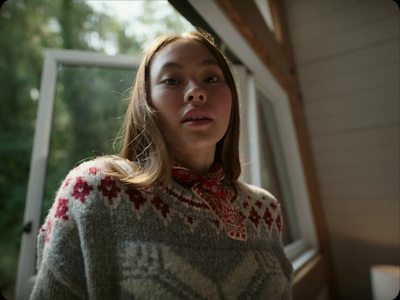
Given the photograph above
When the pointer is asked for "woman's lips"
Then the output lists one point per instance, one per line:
(197, 122)
(196, 118)
(196, 115)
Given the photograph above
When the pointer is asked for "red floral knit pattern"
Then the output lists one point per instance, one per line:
(215, 196)
(161, 208)
(108, 188)
(81, 189)
(62, 209)
(262, 212)
(136, 198)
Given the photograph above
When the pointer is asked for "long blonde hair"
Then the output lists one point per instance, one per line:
(144, 147)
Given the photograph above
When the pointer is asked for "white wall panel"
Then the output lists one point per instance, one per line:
(362, 139)
(357, 156)
(365, 118)
(347, 55)
(349, 16)
(385, 95)
(305, 11)
(368, 58)
(352, 40)
(352, 83)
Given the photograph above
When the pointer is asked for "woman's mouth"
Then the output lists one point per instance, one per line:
(196, 118)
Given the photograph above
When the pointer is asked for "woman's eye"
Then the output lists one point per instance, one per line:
(170, 81)
(211, 79)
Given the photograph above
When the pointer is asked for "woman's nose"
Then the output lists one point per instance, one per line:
(195, 93)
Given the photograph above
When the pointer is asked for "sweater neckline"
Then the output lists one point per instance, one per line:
(182, 199)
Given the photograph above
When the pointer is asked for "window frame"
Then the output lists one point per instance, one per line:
(41, 145)
(259, 77)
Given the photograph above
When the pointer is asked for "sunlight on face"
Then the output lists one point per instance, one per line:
(193, 101)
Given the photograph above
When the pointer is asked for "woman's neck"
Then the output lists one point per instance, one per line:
(199, 161)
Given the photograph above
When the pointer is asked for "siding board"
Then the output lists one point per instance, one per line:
(359, 174)
(301, 12)
(349, 41)
(347, 59)
(352, 83)
(353, 62)
(365, 118)
(386, 95)
(359, 156)
(364, 204)
(380, 226)
(386, 189)
(349, 17)
(361, 140)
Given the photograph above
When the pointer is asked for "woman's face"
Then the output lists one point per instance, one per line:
(192, 99)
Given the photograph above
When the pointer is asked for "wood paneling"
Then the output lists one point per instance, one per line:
(352, 40)
(305, 11)
(349, 17)
(361, 139)
(381, 154)
(365, 118)
(353, 102)
(348, 65)
(366, 59)
(352, 83)
(338, 192)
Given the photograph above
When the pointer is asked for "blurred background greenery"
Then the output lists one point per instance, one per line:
(89, 102)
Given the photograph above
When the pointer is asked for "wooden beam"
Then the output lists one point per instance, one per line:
(311, 278)
(249, 21)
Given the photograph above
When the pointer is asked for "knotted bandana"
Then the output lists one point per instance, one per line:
(216, 195)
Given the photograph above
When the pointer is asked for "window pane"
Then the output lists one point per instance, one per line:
(273, 168)
(88, 110)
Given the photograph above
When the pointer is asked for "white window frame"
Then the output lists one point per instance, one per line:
(259, 77)
(37, 175)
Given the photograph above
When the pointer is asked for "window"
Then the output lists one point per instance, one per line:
(89, 105)
(274, 176)
(269, 146)
(92, 72)
(264, 8)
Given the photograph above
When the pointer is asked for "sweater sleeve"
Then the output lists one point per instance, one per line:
(60, 262)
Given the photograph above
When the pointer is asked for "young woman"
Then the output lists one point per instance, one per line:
(167, 219)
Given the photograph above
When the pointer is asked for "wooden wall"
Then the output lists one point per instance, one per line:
(347, 58)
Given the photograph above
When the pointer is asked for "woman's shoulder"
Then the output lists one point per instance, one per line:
(255, 192)
(92, 180)
(258, 198)
(100, 166)
(259, 205)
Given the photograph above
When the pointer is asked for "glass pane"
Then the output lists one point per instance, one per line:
(88, 111)
(274, 172)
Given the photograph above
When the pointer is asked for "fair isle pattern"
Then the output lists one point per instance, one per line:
(172, 277)
(157, 243)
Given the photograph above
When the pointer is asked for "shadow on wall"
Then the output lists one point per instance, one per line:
(353, 258)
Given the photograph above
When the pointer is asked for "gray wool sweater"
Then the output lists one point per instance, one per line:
(105, 240)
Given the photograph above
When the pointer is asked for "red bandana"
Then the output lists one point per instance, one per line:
(216, 195)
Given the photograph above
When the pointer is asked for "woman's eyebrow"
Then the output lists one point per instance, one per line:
(171, 64)
(209, 62)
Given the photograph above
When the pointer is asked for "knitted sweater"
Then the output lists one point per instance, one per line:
(105, 240)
